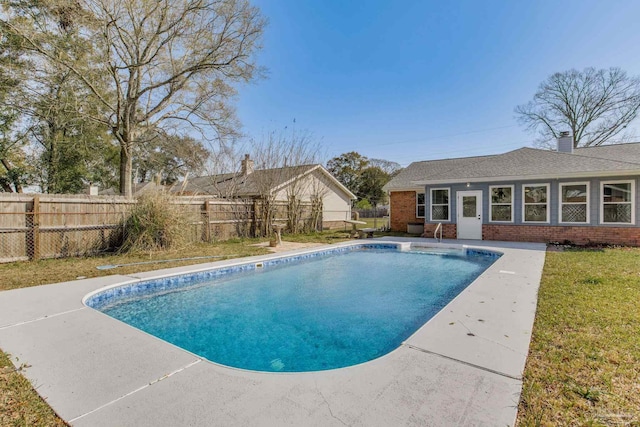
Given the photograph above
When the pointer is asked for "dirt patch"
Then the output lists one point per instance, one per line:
(288, 246)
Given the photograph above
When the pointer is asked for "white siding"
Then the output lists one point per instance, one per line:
(336, 204)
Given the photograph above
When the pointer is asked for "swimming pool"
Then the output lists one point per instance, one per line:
(322, 310)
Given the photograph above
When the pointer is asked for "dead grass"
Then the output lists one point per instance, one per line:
(583, 365)
(25, 274)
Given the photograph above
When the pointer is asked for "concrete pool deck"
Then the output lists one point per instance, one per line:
(463, 367)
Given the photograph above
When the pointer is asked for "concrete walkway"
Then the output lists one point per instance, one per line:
(463, 367)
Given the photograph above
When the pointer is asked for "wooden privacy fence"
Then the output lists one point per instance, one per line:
(33, 227)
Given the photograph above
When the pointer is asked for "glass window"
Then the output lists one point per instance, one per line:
(501, 203)
(535, 203)
(617, 202)
(574, 203)
(469, 206)
(440, 204)
(420, 205)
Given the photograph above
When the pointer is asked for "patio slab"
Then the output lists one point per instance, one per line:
(493, 317)
(37, 302)
(84, 359)
(409, 388)
(96, 371)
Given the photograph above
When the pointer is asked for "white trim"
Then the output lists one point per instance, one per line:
(400, 190)
(559, 175)
(560, 203)
(309, 171)
(431, 190)
(423, 204)
(548, 204)
(513, 202)
(633, 201)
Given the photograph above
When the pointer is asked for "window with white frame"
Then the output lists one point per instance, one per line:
(501, 199)
(535, 203)
(574, 202)
(420, 205)
(617, 202)
(439, 204)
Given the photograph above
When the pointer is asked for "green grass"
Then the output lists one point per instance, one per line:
(584, 361)
(379, 223)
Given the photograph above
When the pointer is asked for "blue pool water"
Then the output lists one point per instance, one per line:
(322, 313)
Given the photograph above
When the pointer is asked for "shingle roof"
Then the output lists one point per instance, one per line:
(625, 152)
(254, 184)
(426, 169)
(138, 188)
(523, 163)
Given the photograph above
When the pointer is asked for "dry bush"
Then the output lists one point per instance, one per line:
(155, 223)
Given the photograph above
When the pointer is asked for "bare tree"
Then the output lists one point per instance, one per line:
(285, 158)
(223, 180)
(223, 175)
(387, 166)
(170, 62)
(595, 105)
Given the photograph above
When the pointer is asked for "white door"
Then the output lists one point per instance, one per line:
(469, 215)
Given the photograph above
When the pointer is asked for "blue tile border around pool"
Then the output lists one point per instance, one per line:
(104, 297)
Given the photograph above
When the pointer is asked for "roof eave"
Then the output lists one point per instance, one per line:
(309, 171)
(602, 174)
(414, 188)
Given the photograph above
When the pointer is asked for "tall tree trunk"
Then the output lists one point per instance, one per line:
(52, 163)
(126, 170)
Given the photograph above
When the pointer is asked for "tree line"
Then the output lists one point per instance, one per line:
(115, 92)
(364, 177)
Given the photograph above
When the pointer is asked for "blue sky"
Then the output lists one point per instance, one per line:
(419, 80)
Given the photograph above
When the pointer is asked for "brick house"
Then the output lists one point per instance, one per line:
(583, 195)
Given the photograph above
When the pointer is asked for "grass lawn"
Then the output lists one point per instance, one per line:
(374, 222)
(584, 361)
(583, 366)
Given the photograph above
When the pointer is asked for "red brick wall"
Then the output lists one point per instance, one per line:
(403, 210)
(449, 231)
(578, 235)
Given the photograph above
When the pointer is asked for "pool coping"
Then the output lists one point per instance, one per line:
(463, 366)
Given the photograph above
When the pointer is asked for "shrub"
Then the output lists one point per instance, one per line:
(155, 223)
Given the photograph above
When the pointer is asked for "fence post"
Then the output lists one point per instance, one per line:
(207, 219)
(254, 219)
(33, 234)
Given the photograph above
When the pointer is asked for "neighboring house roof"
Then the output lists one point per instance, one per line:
(255, 183)
(525, 163)
(138, 188)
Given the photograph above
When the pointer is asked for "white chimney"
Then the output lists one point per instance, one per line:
(565, 142)
(92, 189)
(246, 165)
